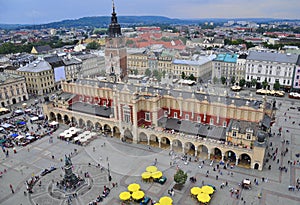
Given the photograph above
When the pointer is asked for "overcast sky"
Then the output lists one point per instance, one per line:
(44, 11)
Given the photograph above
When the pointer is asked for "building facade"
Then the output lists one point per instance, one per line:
(12, 89)
(224, 66)
(271, 67)
(180, 120)
(39, 77)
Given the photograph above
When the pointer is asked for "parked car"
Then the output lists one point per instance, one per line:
(162, 180)
(145, 200)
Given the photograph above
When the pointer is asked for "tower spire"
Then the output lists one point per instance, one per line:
(114, 29)
(113, 6)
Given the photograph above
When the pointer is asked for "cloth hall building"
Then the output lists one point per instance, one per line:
(192, 122)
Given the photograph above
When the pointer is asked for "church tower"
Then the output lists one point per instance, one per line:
(115, 51)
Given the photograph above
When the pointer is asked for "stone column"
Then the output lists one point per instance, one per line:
(208, 155)
(148, 140)
(159, 143)
(222, 157)
(237, 160)
(171, 145)
(183, 149)
(196, 151)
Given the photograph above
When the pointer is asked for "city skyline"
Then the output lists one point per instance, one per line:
(33, 12)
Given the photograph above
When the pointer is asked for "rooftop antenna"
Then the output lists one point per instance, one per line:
(113, 5)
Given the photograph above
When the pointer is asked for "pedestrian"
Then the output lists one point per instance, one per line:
(11, 188)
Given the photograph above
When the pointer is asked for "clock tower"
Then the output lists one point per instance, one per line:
(115, 51)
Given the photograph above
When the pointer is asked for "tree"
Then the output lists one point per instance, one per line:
(164, 73)
(242, 82)
(192, 77)
(183, 75)
(253, 82)
(265, 84)
(276, 85)
(148, 72)
(215, 80)
(135, 71)
(93, 45)
(157, 74)
(180, 177)
(232, 80)
(223, 80)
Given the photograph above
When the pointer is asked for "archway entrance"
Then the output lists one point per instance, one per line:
(256, 166)
(14, 101)
(216, 154)
(202, 152)
(245, 161)
(128, 135)
(107, 130)
(98, 127)
(165, 143)
(66, 119)
(81, 123)
(117, 132)
(52, 116)
(73, 121)
(230, 156)
(59, 118)
(143, 138)
(89, 125)
(177, 146)
(154, 141)
(189, 148)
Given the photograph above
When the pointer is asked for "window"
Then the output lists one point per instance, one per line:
(234, 133)
(175, 114)
(199, 119)
(211, 121)
(224, 124)
(187, 117)
(297, 77)
(147, 117)
(166, 113)
(296, 84)
(104, 103)
(126, 114)
(248, 136)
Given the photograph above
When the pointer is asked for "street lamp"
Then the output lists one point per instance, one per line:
(109, 176)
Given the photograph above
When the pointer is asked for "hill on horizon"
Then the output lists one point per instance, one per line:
(103, 21)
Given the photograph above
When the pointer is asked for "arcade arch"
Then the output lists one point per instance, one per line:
(66, 119)
(59, 118)
(154, 141)
(143, 138)
(107, 129)
(245, 160)
(189, 148)
(202, 151)
(165, 143)
(98, 126)
(216, 153)
(81, 123)
(52, 116)
(116, 132)
(177, 145)
(230, 156)
(89, 125)
(128, 135)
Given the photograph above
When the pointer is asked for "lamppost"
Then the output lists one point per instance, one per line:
(109, 176)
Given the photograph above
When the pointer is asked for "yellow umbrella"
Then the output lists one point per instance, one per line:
(125, 195)
(157, 174)
(196, 190)
(165, 200)
(137, 195)
(157, 204)
(151, 169)
(207, 189)
(146, 175)
(133, 187)
(204, 198)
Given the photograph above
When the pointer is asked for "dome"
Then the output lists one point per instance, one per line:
(261, 136)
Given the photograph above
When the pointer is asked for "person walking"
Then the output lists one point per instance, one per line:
(11, 188)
